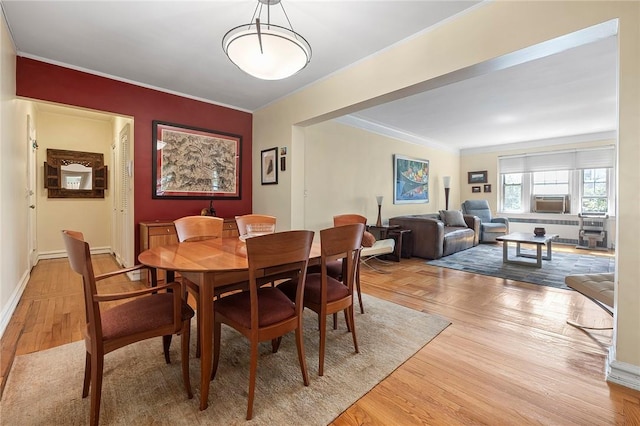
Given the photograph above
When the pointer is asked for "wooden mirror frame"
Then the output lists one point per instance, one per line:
(56, 158)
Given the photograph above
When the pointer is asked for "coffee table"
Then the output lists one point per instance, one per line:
(526, 238)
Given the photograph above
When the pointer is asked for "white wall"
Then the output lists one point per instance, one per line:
(14, 260)
(486, 32)
(346, 168)
(91, 216)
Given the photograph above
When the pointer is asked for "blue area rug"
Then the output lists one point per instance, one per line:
(486, 259)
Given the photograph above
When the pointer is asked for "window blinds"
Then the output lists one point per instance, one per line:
(561, 160)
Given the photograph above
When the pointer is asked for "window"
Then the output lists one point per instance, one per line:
(551, 183)
(586, 175)
(512, 192)
(595, 194)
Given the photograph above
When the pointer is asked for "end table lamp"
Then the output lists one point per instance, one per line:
(447, 185)
(379, 200)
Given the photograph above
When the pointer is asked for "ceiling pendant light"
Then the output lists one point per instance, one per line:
(265, 50)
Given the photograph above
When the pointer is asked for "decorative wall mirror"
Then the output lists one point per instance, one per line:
(75, 174)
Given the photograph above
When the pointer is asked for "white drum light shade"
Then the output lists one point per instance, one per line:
(284, 52)
(447, 181)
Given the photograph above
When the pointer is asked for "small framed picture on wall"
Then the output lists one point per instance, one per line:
(487, 188)
(475, 189)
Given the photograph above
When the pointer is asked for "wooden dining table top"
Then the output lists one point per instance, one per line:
(212, 255)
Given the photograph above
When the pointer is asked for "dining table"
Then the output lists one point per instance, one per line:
(208, 264)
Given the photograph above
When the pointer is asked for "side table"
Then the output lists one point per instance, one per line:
(382, 232)
(404, 244)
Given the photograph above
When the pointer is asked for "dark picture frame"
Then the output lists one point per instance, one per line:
(487, 188)
(269, 166)
(410, 180)
(87, 171)
(475, 189)
(192, 163)
(477, 177)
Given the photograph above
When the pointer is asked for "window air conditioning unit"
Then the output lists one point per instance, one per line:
(551, 204)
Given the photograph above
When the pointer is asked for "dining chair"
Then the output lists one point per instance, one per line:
(143, 314)
(195, 228)
(244, 221)
(326, 295)
(265, 313)
(335, 268)
(198, 228)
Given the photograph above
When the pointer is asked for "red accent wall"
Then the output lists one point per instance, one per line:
(47, 82)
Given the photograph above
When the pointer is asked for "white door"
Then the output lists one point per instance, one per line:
(32, 145)
(122, 236)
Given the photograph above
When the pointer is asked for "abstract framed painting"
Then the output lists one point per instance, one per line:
(194, 163)
(410, 180)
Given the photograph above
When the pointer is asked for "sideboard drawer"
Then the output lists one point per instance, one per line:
(162, 230)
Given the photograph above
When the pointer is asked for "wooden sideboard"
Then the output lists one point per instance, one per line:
(159, 233)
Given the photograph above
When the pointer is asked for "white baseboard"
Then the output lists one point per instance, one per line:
(622, 373)
(10, 307)
(56, 254)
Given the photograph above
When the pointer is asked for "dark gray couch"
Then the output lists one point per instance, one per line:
(432, 240)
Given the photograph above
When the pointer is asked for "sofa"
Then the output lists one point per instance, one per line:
(432, 238)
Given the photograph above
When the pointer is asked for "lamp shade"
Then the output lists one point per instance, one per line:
(272, 53)
(379, 199)
(447, 181)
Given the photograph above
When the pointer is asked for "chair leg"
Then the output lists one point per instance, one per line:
(198, 324)
(358, 290)
(352, 324)
(335, 320)
(301, 358)
(87, 375)
(217, 331)
(253, 366)
(185, 340)
(323, 339)
(97, 364)
(166, 344)
(275, 344)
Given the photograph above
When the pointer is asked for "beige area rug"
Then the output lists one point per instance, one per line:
(44, 388)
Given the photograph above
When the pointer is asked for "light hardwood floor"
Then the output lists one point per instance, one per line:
(508, 358)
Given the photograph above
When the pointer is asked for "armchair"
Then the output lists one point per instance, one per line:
(490, 227)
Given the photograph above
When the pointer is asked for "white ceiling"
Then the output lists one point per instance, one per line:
(175, 46)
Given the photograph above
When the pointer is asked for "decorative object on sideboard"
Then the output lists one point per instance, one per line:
(379, 200)
(539, 232)
(265, 50)
(208, 211)
(446, 180)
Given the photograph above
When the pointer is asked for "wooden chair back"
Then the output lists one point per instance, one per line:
(274, 256)
(347, 219)
(243, 221)
(195, 228)
(79, 255)
(342, 243)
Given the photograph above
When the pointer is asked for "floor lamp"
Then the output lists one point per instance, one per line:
(447, 185)
(379, 200)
